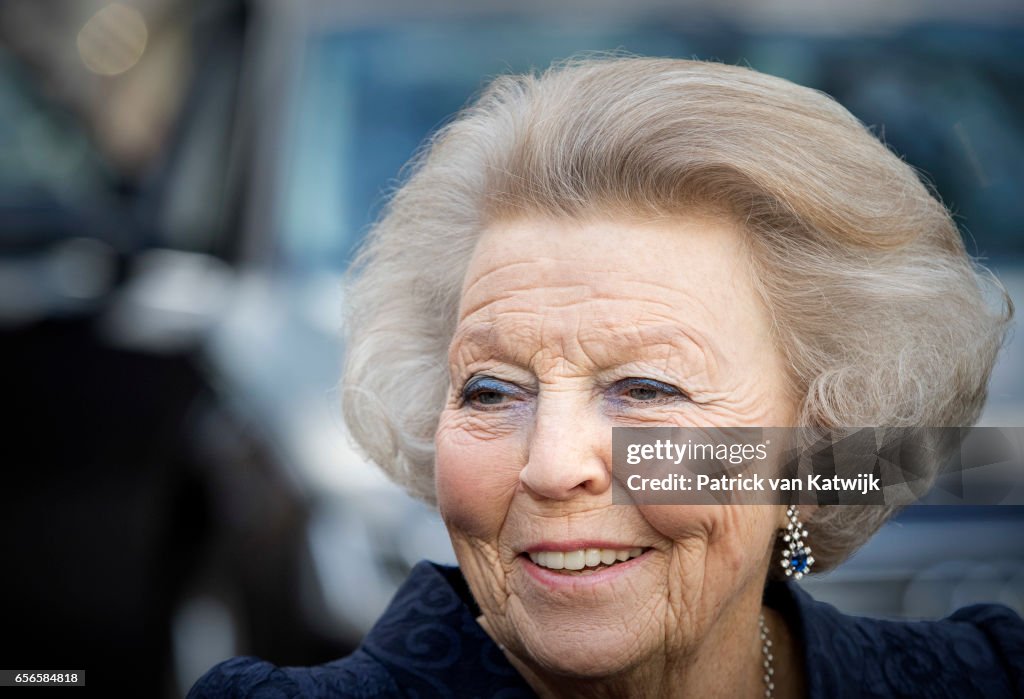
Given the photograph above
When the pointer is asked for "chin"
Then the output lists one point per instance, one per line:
(583, 652)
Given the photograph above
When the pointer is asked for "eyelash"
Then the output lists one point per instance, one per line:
(487, 384)
(671, 393)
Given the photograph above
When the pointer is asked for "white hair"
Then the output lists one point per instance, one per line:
(882, 316)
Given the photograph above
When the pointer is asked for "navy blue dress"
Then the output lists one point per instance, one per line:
(428, 644)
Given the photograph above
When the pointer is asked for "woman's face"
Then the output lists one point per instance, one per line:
(566, 330)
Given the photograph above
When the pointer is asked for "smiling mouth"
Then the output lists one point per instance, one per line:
(583, 561)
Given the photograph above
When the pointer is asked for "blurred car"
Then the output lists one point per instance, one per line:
(183, 486)
(135, 493)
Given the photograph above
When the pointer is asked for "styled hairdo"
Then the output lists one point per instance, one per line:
(882, 316)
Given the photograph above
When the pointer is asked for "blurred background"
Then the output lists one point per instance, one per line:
(181, 185)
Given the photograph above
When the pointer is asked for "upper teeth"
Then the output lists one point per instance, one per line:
(581, 558)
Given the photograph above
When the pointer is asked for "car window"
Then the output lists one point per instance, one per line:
(46, 160)
(945, 98)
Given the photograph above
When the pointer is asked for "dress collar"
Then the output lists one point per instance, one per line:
(430, 642)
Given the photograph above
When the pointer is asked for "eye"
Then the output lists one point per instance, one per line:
(487, 392)
(647, 391)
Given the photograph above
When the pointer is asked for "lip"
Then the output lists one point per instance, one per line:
(577, 544)
(560, 582)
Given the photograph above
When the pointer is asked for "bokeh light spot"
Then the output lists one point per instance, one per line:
(113, 40)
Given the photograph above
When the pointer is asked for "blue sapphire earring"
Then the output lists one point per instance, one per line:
(796, 555)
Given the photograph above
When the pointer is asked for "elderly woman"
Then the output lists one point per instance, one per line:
(641, 242)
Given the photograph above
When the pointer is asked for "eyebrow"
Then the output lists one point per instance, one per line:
(481, 335)
(485, 336)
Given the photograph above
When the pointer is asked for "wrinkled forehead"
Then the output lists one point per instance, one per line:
(571, 259)
(529, 340)
(606, 285)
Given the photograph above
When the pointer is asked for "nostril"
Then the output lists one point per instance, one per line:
(565, 480)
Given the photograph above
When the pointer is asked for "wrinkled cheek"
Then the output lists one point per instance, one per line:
(475, 481)
(681, 522)
(728, 538)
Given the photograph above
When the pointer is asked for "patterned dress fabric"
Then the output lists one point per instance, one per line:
(428, 644)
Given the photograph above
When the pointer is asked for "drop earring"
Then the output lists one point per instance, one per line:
(796, 555)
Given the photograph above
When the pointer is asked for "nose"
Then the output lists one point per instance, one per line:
(569, 453)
